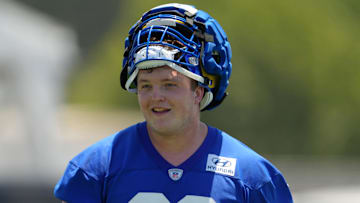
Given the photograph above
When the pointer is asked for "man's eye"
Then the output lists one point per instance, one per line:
(170, 85)
(144, 86)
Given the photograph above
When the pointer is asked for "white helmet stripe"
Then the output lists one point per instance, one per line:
(190, 9)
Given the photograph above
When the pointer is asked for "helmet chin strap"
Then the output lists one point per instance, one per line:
(208, 97)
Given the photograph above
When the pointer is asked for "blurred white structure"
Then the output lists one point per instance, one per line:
(36, 54)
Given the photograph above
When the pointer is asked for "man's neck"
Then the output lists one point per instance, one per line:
(177, 147)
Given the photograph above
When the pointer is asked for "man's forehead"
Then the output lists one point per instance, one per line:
(163, 72)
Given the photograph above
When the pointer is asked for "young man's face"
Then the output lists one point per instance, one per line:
(167, 99)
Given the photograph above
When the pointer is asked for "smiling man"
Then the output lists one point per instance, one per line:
(170, 104)
(177, 61)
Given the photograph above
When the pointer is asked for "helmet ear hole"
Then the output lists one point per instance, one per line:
(216, 56)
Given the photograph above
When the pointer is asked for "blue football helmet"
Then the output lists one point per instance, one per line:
(185, 39)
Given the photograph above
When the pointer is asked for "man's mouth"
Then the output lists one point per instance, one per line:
(160, 110)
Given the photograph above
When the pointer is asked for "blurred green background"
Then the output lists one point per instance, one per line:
(295, 85)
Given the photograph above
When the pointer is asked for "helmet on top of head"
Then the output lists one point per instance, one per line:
(185, 39)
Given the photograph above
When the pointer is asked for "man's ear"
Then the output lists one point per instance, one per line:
(199, 94)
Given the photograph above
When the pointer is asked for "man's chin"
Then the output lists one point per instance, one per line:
(162, 127)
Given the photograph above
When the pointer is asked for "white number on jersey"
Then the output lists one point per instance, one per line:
(153, 197)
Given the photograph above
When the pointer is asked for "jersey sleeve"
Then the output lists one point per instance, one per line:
(76, 185)
(274, 191)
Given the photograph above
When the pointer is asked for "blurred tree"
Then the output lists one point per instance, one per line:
(90, 18)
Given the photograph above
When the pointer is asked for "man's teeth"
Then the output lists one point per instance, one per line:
(159, 109)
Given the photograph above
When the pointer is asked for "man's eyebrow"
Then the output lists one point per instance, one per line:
(163, 80)
(170, 80)
(142, 80)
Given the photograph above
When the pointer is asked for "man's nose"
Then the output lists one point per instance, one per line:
(157, 93)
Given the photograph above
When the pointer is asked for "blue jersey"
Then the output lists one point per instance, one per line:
(126, 167)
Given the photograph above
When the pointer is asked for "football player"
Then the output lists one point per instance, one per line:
(178, 61)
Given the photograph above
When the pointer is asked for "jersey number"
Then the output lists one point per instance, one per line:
(152, 197)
